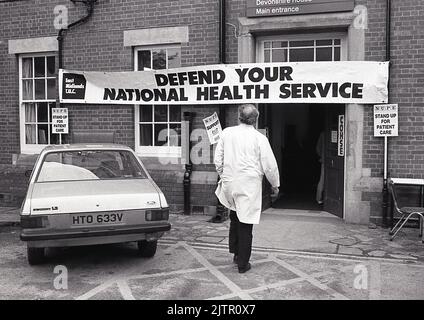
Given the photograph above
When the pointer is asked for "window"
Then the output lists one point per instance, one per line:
(158, 58)
(37, 76)
(158, 127)
(301, 48)
(89, 165)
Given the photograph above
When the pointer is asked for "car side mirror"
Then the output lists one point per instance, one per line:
(28, 173)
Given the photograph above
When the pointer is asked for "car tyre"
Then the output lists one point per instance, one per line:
(147, 249)
(35, 255)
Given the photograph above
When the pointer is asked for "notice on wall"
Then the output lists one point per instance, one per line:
(341, 136)
(213, 128)
(359, 82)
(334, 136)
(60, 120)
(386, 120)
(265, 8)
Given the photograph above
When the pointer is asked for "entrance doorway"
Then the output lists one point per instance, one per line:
(294, 132)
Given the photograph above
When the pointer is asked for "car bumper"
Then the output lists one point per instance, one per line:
(63, 238)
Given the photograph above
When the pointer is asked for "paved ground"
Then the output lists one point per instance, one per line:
(297, 255)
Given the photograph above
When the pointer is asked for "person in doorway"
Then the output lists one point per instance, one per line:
(242, 157)
(320, 152)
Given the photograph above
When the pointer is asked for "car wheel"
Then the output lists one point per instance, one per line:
(147, 249)
(35, 255)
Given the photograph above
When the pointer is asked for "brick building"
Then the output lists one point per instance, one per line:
(134, 35)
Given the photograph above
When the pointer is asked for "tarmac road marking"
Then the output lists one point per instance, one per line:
(261, 288)
(164, 274)
(218, 274)
(125, 290)
(278, 284)
(96, 290)
(327, 256)
(375, 281)
(91, 293)
(271, 255)
(309, 278)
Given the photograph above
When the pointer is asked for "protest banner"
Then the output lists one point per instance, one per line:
(363, 82)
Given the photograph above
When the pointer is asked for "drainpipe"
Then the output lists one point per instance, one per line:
(61, 35)
(222, 50)
(188, 117)
(385, 191)
(221, 211)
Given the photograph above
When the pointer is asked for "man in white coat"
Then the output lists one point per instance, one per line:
(242, 157)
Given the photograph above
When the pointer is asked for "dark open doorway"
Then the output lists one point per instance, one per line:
(294, 131)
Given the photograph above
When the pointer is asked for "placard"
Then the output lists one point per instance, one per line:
(213, 128)
(60, 120)
(386, 120)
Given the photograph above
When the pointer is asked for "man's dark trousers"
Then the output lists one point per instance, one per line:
(240, 242)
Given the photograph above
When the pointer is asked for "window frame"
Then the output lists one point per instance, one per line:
(260, 52)
(32, 148)
(153, 151)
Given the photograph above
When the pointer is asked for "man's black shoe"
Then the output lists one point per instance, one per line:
(235, 259)
(246, 268)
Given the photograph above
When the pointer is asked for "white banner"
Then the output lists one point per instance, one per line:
(362, 82)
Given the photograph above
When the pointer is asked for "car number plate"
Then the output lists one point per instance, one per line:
(99, 218)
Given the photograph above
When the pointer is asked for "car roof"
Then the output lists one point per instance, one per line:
(86, 146)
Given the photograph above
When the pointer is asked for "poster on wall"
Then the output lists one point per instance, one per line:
(386, 120)
(213, 128)
(361, 82)
(60, 120)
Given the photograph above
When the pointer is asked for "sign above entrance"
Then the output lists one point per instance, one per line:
(360, 82)
(386, 120)
(265, 8)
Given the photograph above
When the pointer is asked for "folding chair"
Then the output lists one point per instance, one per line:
(405, 211)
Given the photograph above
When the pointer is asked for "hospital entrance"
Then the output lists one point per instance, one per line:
(294, 133)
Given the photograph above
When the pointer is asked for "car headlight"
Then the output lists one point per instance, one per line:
(156, 215)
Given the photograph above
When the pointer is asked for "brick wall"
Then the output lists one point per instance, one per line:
(98, 45)
(406, 152)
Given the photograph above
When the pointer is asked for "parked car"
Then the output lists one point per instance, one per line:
(91, 194)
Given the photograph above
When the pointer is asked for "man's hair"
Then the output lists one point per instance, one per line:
(248, 114)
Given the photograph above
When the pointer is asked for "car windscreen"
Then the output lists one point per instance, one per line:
(89, 165)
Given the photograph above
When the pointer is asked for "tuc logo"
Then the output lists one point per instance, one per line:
(73, 86)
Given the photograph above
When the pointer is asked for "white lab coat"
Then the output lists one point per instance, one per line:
(242, 157)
